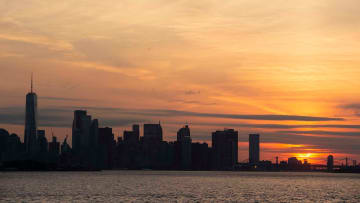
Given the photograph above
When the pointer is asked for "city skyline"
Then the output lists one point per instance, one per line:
(83, 134)
(288, 71)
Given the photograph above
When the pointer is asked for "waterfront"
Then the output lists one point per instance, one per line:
(178, 186)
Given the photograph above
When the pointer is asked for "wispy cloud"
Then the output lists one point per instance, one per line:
(269, 126)
(174, 113)
(355, 134)
(353, 106)
(63, 99)
(62, 116)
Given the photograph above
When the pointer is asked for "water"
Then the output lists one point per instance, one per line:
(172, 186)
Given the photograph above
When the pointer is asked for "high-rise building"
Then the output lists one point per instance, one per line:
(200, 156)
(225, 149)
(54, 146)
(132, 136)
(14, 144)
(80, 130)
(85, 134)
(94, 135)
(183, 134)
(254, 148)
(184, 139)
(4, 136)
(107, 146)
(42, 141)
(10, 145)
(136, 130)
(294, 163)
(31, 121)
(65, 147)
(330, 162)
(153, 132)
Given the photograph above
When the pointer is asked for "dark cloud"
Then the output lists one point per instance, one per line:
(240, 116)
(334, 144)
(319, 144)
(353, 106)
(174, 113)
(62, 116)
(192, 92)
(268, 126)
(120, 121)
(321, 132)
(64, 99)
(192, 102)
(59, 117)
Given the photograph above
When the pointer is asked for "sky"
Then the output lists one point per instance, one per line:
(288, 70)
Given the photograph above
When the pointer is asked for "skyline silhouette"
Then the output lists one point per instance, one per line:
(31, 122)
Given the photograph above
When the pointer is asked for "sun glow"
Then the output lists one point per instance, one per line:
(313, 158)
(305, 156)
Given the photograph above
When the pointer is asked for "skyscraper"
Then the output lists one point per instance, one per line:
(184, 139)
(293, 163)
(85, 134)
(153, 132)
(31, 122)
(65, 147)
(42, 142)
(254, 148)
(330, 162)
(136, 130)
(80, 130)
(107, 146)
(225, 149)
(132, 136)
(54, 146)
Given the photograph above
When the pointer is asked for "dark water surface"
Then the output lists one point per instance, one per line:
(183, 186)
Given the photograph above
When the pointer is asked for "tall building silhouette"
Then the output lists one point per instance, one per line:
(293, 163)
(254, 148)
(4, 136)
(43, 145)
(200, 156)
(107, 146)
(54, 146)
(330, 162)
(153, 132)
(80, 130)
(85, 134)
(65, 147)
(184, 139)
(31, 121)
(225, 149)
(132, 136)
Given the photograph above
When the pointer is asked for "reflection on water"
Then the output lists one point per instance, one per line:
(183, 186)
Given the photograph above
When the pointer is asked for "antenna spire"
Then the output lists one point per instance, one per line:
(31, 82)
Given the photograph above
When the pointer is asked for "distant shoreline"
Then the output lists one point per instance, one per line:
(235, 171)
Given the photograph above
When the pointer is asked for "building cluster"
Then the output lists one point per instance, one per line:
(95, 148)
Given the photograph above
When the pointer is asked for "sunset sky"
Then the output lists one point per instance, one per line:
(289, 70)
